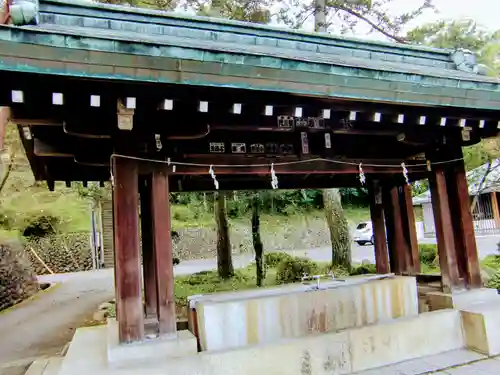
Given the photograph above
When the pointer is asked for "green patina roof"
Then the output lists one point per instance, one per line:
(145, 45)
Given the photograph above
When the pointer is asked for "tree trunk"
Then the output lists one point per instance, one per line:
(339, 229)
(257, 242)
(320, 16)
(224, 258)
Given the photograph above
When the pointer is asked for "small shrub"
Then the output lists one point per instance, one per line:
(364, 269)
(273, 259)
(428, 254)
(494, 281)
(212, 278)
(292, 270)
(491, 262)
(40, 226)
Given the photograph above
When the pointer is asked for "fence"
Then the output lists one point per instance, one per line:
(483, 215)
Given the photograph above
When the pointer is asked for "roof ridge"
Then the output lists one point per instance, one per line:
(244, 27)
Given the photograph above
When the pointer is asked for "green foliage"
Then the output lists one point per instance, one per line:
(40, 226)
(364, 269)
(491, 262)
(256, 11)
(349, 14)
(292, 270)
(494, 281)
(209, 282)
(428, 254)
(465, 34)
(273, 259)
(93, 191)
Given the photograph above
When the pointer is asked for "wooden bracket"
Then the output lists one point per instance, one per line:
(125, 116)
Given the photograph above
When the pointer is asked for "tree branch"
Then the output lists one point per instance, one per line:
(483, 180)
(371, 23)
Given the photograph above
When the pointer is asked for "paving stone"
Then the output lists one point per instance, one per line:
(490, 366)
(440, 365)
(471, 369)
(416, 366)
(388, 370)
(453, 358)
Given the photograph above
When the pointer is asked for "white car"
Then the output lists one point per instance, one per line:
(364, 233)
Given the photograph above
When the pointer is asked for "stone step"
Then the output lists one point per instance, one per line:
(45, 366)
(438, 363)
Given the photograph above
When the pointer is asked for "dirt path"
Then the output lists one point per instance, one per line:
(44, 326)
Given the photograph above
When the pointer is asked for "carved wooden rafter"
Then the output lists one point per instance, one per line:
(190, 137)
(84, 135)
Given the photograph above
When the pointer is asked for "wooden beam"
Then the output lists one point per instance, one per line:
(409, 230)
(36, 122)
(41, 148)
(444, 231)
(127, 252)
(283, 165)
(377, 217)
(163, 253)
(463, 227)
(148, 256)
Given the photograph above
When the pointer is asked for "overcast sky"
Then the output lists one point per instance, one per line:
(485, 12)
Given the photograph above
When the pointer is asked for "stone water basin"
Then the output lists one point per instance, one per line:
(237, 319)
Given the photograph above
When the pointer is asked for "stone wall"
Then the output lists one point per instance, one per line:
(196, 243)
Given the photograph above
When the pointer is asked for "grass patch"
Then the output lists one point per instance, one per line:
(209, 282)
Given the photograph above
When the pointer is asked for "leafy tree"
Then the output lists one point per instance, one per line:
(256, 11)
(467, 34)
(348, 15)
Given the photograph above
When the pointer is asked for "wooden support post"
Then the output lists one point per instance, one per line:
(409, 230)
(377, 216)
(163, 253)
(444, 231)
(495, 209)
(127, 251)
(463, 227)
(397, 245)
(389, 226)
(148, 258)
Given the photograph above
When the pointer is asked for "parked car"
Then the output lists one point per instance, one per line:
(364, 233)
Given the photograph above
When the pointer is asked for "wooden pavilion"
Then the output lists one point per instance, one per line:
(159, 102)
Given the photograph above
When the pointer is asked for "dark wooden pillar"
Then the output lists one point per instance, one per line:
(463, 227)
(163, 253)
(409, 230)
(397, 246)
(127, 251)
(444, 230)
(148, 259)
(377, 216)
